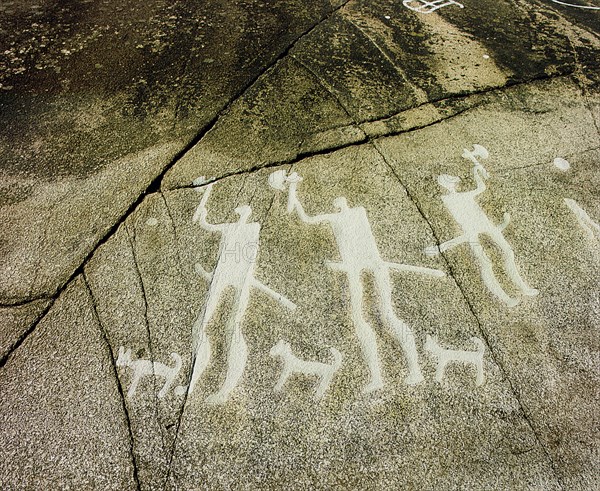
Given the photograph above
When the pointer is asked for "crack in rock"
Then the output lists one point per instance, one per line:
(115, 371)
(484, 333)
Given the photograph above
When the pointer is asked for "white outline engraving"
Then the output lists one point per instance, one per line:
(238, 251)
(148, 368)
(445, 356)
(474, 222)
(358, 250)
(589, 225)
(292, 364)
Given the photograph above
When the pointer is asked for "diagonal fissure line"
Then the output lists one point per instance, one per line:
(419, 93)
(115, 372)
(155, 184)
(19, 341)
(373, 143)
(265, 165)
(132, 239)
(173, 449)
(465, 94)
(496, 357)
(329, 90)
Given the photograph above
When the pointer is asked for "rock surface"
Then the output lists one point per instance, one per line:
(187, 302)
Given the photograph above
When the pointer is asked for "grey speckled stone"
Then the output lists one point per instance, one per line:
(110, 114)
(16, 321)
(92, 95)
(62, 419)
(548, 344)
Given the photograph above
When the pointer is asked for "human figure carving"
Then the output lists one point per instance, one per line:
(292, 364)
(148, 368)
(358, 250)
(445, 356)
(474, 222)
(238, 251)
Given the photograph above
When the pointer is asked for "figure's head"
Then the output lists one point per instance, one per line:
(340, 203)
(448, 182)
(244, 212)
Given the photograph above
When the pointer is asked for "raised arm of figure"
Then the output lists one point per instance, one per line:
(294, 204)
(478, 175)
(201, 213)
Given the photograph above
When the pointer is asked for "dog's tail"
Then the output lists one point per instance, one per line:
(177, 360)
(479, 343)
(337, 358)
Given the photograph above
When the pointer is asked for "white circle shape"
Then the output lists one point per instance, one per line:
(561, 164)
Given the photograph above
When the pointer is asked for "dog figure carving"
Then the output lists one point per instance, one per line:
(142, 368)
(445, 356)
(292, 364)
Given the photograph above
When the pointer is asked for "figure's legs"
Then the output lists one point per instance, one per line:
(201, 345)
(440, 369)
(364, 333)
(238, 349)
(509, 264)
(487, 275)
(583, 218)
(480, 376)
(398, 327)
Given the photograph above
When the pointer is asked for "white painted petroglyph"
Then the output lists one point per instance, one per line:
(474, 222)
(429, 6)
(445, 356)
(589, 225)
(238, 252)
(590, 7)
(148, 368)
(292, 364)
(152, 222)
(561, 164)
(358, 250)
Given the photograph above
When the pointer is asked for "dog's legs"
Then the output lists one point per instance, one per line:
(137, 375)
(170, 374)
(439, 371)
(285, 373)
